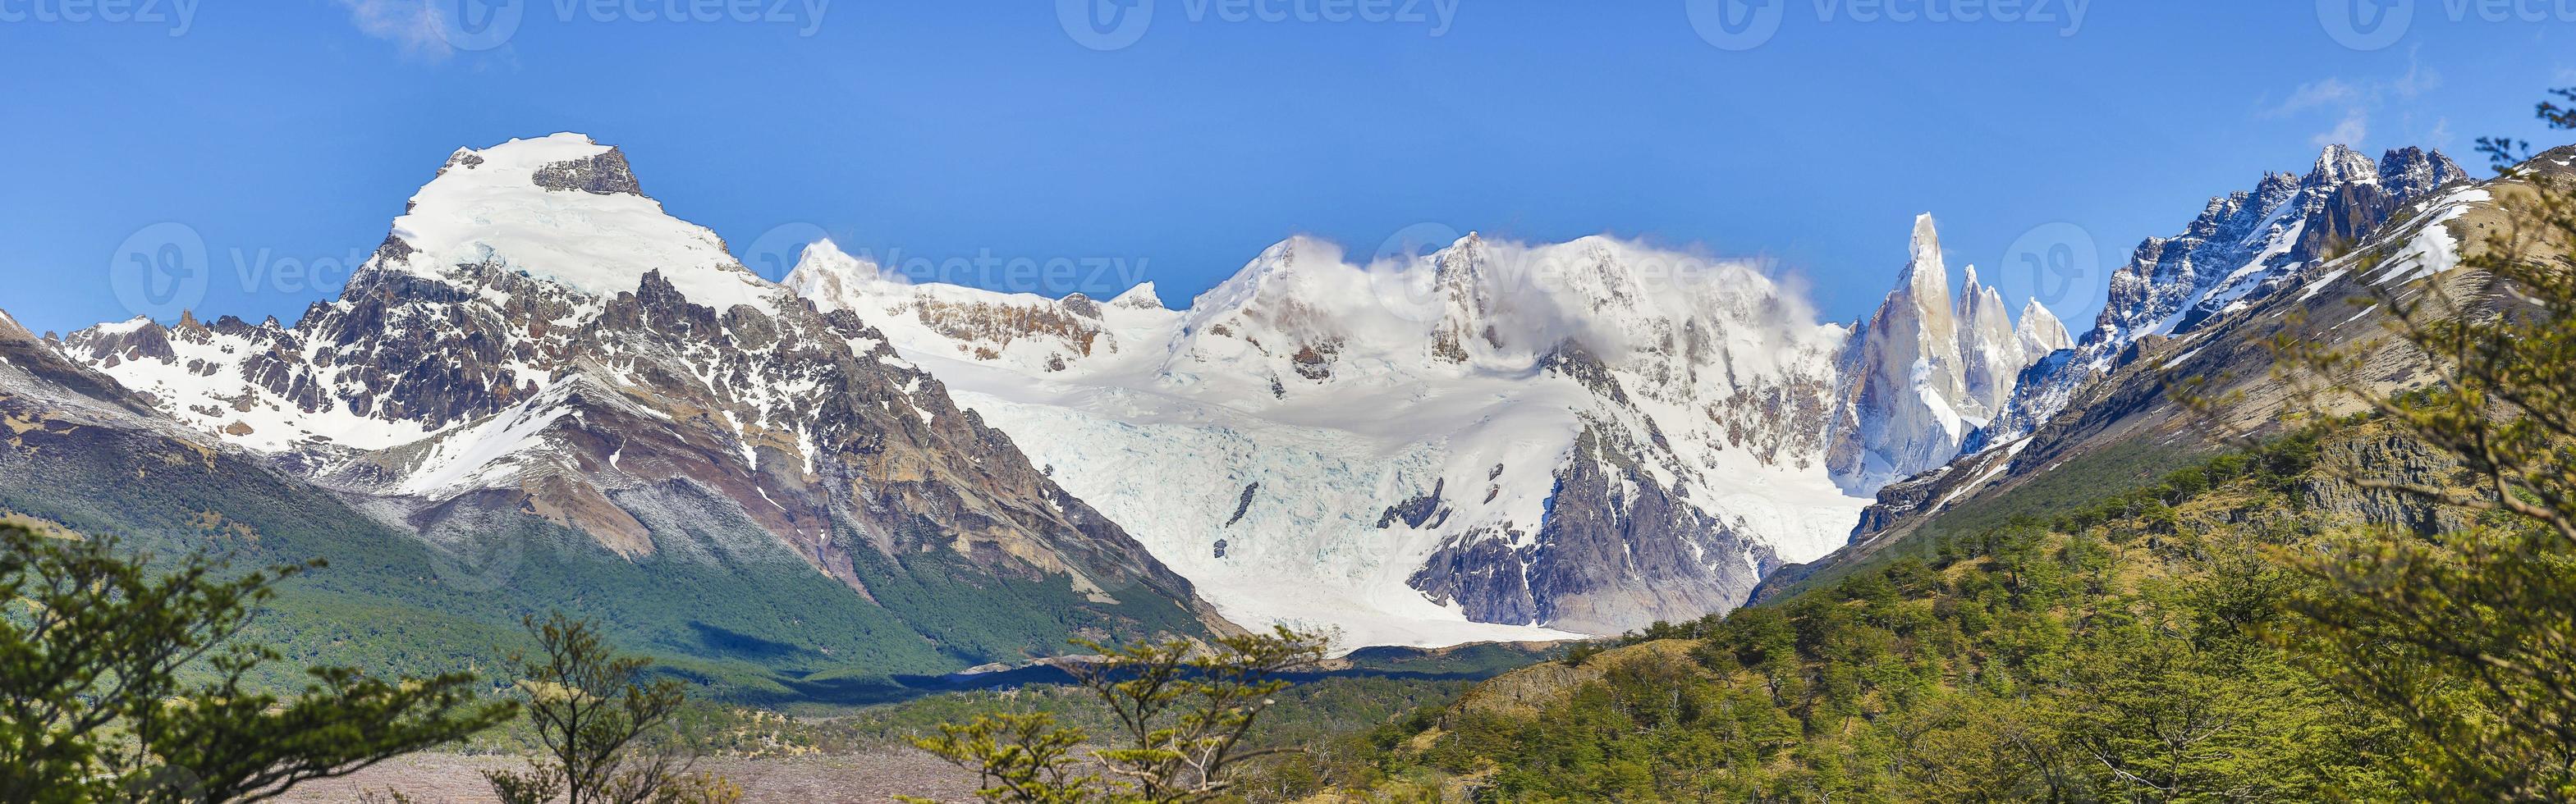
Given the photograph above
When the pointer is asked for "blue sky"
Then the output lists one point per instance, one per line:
(288, 133)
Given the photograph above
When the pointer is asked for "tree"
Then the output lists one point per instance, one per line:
(2470, 637)
(97, 652)
(1181, 712)
(598, 720)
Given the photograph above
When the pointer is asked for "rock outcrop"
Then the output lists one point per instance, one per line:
(2242, 249)
(2115, 389)
(1925, 372)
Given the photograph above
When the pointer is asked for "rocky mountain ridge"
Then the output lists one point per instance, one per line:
(1924, 373)
(535, 337)
(2243, 248)
(2120, 402)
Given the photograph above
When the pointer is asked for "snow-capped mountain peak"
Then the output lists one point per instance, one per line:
(2340, 164)
(565, 209)
(1140, 297)
(1276, 264)
(2412, 171)
(824, 269)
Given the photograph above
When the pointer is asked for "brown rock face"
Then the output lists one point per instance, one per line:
(605, 174)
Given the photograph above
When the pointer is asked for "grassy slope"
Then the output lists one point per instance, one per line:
(768, 630)
(2118, 469)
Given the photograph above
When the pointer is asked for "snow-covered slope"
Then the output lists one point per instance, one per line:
(1497, 440)
(536, 336)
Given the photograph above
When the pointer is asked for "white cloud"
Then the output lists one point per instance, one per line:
(413, 24)
(2416, 81)
(2331, 91)
(2441, 135)
(2354, 101)
(2354, 128)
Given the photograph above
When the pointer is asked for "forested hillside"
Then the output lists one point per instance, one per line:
(2135, 648)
